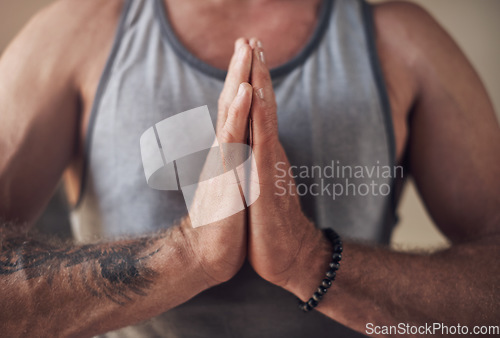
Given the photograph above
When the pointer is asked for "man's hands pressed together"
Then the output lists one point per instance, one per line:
(282, 242)
(281, 239)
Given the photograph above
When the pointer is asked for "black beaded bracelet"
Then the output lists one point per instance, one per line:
(334, 238)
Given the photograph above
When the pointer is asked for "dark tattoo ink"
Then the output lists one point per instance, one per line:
(116, 272)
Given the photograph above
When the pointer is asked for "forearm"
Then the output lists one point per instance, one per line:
(383, 287)
(62, 290)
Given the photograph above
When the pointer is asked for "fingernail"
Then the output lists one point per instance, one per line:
(241, 90)
(261, 57)
(259, 44)
(260, 93)
(238, 43)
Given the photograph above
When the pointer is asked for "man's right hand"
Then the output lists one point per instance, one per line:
(94, 288)
(220, 247)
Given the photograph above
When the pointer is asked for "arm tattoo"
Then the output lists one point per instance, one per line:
(115, 271)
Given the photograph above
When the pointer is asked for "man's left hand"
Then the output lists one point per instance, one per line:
(282, 241)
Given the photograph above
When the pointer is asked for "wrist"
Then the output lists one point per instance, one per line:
(311, 266)
(191, 253)
(215, 261)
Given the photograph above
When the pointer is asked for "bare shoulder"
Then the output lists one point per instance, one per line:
(69, 19)
(60, 36)
(408, 34)
(419, 60)
(411, 33)
(405, 19)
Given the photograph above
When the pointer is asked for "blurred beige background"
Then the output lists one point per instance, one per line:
(473, 24)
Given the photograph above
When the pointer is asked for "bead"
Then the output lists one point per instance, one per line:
(304, 306)
(312, 303)
(334, 239)
(331, 274)
(317, 297)
(334, 266)
(322, 290)
(331, 235)
(326, 283)
(336, 257)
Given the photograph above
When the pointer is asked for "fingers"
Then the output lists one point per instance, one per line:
(263, 112)
(235, 127)
(254, 43)
(238, 72)
(248, 64)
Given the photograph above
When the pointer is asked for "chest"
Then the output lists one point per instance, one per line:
(283, 27)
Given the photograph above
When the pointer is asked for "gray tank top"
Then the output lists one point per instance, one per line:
(333, 114)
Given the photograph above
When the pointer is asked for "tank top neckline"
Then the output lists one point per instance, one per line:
(184, 54)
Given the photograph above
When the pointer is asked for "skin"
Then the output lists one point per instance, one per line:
(444, 125)
(92, 289)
